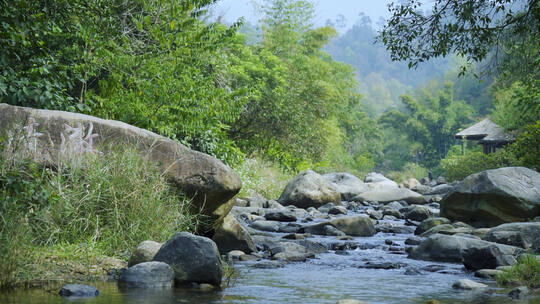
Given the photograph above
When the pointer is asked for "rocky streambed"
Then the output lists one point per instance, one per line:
(329, 238)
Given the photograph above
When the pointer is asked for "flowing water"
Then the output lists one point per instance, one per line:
(325, 279)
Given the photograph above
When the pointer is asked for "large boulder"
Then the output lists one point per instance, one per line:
(193, 259)
(376, 181)
(448, 248)
(524, 235)
(289, 251)
(309, 189)
(231, 235)
(440, 189)
(210, 183)
(419, 213)
(355, 225)
(144, 252)
(494, 197)
(487, 257)
(429, 223)
(386, 194)
(346, 184)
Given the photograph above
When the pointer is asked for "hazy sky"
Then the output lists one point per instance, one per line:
(325, 9)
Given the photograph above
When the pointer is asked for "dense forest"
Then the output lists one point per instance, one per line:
(283, 90)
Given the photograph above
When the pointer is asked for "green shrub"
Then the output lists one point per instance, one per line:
(24, 192)
(457, 167)
(525, 149)
(525, 272)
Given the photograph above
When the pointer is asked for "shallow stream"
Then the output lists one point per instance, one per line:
(324, 279)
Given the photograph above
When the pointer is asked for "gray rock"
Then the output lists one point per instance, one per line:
(447, 248)
(289, 251)
(78, 290)
(249, 257)
(295, 236)
(488, 257)
(429, 223)
(338, 210)
(293, 256)
(149, 275)
(290, 228)
(393, 228)
(468, 285)
(422, 189)
(269, 264)
(281, 216)
(298, 212)
(487, 273)
(312, 246)
(330, 230)
(494, 197)
(519, 292)
(413, 240)
(309, 189)
(524, 235)
(235, 254)
(393, 205)
(265, 242)
(145, 252)
(376, 215)
(393, 212)
(271, 226)
(231, 235)
(355, 225)
(326, 207)
(420, 213)
(203, 178)
(346, 184)
(440, 189)
(389, 194)
(273, 204)
(374, 177)
(466, 235)
(247, 211)
(193, 259)
(446, 229)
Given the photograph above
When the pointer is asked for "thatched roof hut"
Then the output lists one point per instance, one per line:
(489, 134)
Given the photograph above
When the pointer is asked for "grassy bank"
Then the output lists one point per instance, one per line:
(525, 273)
(68, 220)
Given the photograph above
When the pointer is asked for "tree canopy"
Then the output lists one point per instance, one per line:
(470, 28)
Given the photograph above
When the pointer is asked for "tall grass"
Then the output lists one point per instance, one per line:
(263, 177)
(109, 202)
